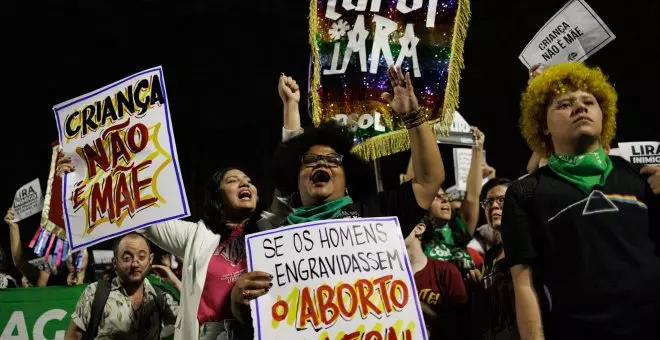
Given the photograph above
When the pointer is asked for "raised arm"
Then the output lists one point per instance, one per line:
(426, 161)
(290, 94)
(470, 204)
(37, 277)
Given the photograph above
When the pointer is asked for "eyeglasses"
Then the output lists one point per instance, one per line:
(333, 159)
(128, 260)
(488, 202)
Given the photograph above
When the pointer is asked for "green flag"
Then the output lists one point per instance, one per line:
(37, 313)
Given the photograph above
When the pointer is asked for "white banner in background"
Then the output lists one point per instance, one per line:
(28, 201)
(573, 34)
(642, 153)
(462, 162)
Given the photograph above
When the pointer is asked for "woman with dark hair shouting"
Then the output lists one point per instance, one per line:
(321, 173)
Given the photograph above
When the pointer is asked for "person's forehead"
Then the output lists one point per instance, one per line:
(133, 244)
(235, 173)
(497, 190)
(573, 94)
(321, 149)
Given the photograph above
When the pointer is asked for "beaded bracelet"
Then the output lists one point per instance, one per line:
(414, 119)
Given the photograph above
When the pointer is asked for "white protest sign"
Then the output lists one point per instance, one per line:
(572, 34)
(460, 132)
(28, 201)
(335, 279)
(642, 153)
(462, 162)
(614, 152)
(127, 173)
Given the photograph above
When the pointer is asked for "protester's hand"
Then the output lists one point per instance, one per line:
(250, 286)
(534, 72)
(475, 276)
(9, 218)
(404, 100)
(288, 89)
(64, 165)
(163, 271)
(72, 279)
(488, 171)
(478, 137)
(654, 177)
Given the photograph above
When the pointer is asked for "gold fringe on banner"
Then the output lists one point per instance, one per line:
(398, 141)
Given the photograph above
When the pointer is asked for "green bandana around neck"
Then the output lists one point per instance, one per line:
(325, 211)
(584, 171)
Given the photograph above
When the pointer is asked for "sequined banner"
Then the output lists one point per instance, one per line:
(354, 41)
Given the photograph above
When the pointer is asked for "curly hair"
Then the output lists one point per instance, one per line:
(287, 159)
(557, 80)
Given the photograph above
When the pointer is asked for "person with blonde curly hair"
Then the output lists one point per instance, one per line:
(580, 234)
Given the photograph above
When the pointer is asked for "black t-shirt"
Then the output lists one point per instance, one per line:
(594, 257)
(400, 202)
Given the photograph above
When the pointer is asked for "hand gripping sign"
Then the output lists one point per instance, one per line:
(335, 279)
(122, 145)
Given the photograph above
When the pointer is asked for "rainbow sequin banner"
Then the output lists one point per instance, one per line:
(353, 42)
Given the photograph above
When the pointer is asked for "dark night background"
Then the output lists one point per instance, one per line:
(222, 59)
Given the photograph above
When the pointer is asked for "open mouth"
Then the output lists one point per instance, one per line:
(445, 209)
(320, 177)
(245, 195)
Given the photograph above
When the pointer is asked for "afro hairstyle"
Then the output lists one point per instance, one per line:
(557, 80)
(287, 159)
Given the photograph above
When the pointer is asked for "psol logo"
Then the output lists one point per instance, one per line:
(572, 56)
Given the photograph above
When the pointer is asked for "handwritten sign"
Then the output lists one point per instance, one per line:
(28, 201)
(572, 34)
(462, 162)
(335, 279)
(642, 153)
(127, 174)
(353, 44)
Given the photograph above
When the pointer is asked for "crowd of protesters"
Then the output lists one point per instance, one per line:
(546, 262)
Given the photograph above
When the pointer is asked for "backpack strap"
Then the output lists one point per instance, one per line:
(98, 305)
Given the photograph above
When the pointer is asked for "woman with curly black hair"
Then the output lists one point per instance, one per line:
(318, 168)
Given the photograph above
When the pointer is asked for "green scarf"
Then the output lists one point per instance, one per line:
(325, 211)
(584, 171)
(156, 281)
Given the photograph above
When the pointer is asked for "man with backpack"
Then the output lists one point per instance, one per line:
(128, 307)
(581, 234)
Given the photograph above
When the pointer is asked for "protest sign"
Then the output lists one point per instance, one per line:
(335, 279)
(460, 132)
(353, 43)
(572, 34)
(44, 265)
(462, 162)
(28, 201)
(127, 173)
(37, 313)
(642, 153)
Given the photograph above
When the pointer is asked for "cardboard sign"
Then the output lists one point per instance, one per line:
(642, 153)
(462, 162)
(335, 278)
(573, 34)
(28, 201)
(127, 173)
(460, 132)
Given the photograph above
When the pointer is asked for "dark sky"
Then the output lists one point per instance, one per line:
(222, 60)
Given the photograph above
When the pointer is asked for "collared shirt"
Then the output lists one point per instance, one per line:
(120, 320)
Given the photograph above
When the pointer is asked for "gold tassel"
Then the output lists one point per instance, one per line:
(398, 141)
(316, 63)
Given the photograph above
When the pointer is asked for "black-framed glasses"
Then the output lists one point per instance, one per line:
(488, 202)
(333, 159)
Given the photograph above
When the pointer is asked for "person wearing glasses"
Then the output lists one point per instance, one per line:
(128, 307)
(493, 285)
(452, 229)
(326, 180)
